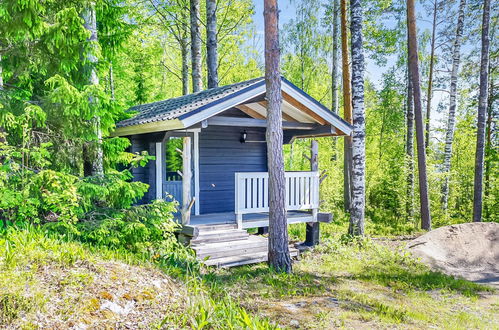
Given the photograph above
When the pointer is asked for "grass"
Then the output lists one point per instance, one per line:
(359, 283)
(342, 283)
(49, 282)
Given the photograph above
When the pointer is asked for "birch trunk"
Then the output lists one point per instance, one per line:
(482, 108)
(197, 83)
(184, 49)
(449, 136)
(93, 156)
(358, 183)
(278, 228)
(211, 43)
(430, 75)
(418, 114)
(334, 70)
(347, 106)
(409, 147)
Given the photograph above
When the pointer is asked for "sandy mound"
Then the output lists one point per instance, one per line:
(469, 250)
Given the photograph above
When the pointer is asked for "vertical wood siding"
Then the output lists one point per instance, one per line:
(221, 155)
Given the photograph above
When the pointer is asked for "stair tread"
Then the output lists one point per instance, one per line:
(249, 240)
(243, 259)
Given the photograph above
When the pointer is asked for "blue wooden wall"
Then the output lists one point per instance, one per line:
(221, 154)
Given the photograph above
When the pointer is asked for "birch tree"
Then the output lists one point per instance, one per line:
(482, 108)
(418, 114)
(94, 159)
(449, 136)
(334, 69)
(195, 14)
(357, 207)
(347, 105)
(279, 257)
(211, 43)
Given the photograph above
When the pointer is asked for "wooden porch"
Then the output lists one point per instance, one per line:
(250, 220)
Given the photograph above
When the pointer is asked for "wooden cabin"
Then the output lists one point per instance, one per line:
(211, 156)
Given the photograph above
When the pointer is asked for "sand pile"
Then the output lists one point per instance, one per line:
(468, 250)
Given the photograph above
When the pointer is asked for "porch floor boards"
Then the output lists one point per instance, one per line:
(251, 220)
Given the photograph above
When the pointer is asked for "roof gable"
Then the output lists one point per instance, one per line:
(188, 110)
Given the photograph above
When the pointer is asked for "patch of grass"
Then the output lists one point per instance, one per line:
(373, 284)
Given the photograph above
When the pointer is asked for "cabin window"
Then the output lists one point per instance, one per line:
(173, 158)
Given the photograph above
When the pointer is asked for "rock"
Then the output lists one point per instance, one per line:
(294, 323)
(117, 309)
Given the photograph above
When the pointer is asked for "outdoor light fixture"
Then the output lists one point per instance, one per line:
(244, 135)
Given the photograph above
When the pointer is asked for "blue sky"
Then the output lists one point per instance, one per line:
(373, 72)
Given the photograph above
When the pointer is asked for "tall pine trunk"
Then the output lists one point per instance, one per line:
(93, 154)
(334, 70)
(197, 83)
(482, 108)
(347, 106)
(449, 136)
(357, 208)
(409, 149)
(418, 114)
(489, 144)
(211, 43)
(430, 74)
(278, 228)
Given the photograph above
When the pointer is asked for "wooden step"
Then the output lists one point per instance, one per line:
(244, 259)
(231, 248)
(197, 230)
(219, 236)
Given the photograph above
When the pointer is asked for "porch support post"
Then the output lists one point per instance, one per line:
(313, 228)
(186, 181)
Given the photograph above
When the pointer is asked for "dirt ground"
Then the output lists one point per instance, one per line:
(469, 250)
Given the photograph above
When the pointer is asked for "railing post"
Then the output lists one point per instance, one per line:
(238, 200)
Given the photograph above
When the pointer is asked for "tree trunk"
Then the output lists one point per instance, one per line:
(430, 75)
(489, 146)
(278, 228)
(2, 131)
(416, 91)
(197, 83)
(111, 81)
(93, 155)
(449, 136)
(211, 43)
(347, 106)
(482, 108)
(409, 149)
(184, 49)
(334, 71)
(358, 183)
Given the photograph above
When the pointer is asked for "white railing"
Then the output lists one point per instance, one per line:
(302, 192)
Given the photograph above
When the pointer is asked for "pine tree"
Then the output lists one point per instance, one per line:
(418, 114)
(197, 83)
(482, 108)
(211, 43)
(279, 257)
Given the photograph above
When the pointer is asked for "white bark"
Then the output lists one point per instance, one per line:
(90, 23)
(197, 84)
(449, 136)
(334, 73)
(357, 207)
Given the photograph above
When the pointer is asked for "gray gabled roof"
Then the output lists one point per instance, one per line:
(176, 107)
